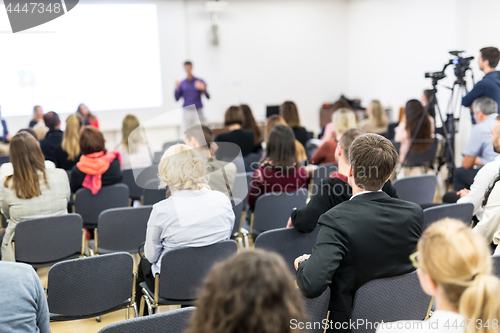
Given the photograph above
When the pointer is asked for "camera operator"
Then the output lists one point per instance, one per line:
(489, 86)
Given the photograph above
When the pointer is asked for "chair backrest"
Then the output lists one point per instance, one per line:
(288, 242)
(417, 189)
(389, 299)
(272, 210)
(462, 212)
(174, 321)
(252, 160)
(48, 240)
(426, 157)
(90, 206)
(4, 159)
(317, 309)
(496, 265)
(323, 172)
(183, 269)
(169, 144)
(238, 210)
(123, 229)
(151, 194)
(87, 287)
(135, 191)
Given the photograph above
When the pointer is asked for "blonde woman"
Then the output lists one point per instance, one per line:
(377, 121)
(454, 265)
(192, 216)
(343, 119)
(37, 116)
(133, 150)
(68, 154)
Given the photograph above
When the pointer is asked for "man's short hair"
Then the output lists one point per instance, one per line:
(201, 134)
(486, 105)
(373, 159)
(492, 54)
(51, 120)
(188, 63)
(347, 138)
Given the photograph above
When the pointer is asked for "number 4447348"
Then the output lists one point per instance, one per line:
(35, 7)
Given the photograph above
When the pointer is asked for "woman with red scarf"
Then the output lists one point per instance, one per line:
(97, 167)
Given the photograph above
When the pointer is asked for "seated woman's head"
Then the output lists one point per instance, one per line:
(71, 137)
(377, 114)
(234, 116)
(182, 168)
(455, 262)
(289, 112)
(280, 147)
(252, 291)
(28, 164)
(91, 141)
(343, 119)
(271, 123)
(131, 138)
(414, 111)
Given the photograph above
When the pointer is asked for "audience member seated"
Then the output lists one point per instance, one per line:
(426, 99)
(368, 237)
(279, 171)
(289, 112)
(37, 116)
(234, 120)
(251, 124)
(96, 167)
(272, 122)
(377, 121)
(343, 119)
(408, 126)
(23, 304)
(333, 190)
(32, 191)
(133, 150)
(41, 131)
(88, 118)
(252, 291)
(484, 177)
(202, 139)
(329, 129)
(5, 137)
(479, 149)
(54, 137)
(454, 266)
(489, 225)
(192, 216)
(69, 152)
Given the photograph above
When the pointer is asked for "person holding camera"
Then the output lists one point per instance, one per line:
(489, 86)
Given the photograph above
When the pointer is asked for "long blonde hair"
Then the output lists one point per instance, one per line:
(71, 138)
(378, 116)
(459, 260)
(182, 168)
(131, 139)
(343, 119)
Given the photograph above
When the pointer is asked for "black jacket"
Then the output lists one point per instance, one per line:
(49, 145)
(332, 192)
(112, 176)
(300, 135)
(369, 237)
(489, 86)
(62, 160)
(242, 137)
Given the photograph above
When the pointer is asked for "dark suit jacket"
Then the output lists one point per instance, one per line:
(242, 137)
(332, 192)
(369, 237)
(49, 145)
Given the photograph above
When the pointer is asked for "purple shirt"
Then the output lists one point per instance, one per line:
(190, 93)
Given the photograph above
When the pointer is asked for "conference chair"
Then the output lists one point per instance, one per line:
(252, 160)
(272, 210)
(389, 299)
(323, 171)
(169, 144)
(135, 191)
(121, 230)
(44, 241)
(496, 265)
(288, 242)
(462, 212)
(4, 159)
(417, 189)
(90, 287)
(151, 194)
(89, 206)
(174, 321)
(241, 187)
(182, 274)
(317, 310)
(426, 158)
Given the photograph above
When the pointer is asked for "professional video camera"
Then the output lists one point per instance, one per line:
(461, 64)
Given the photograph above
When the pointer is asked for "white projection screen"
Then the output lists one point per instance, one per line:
(106, 56)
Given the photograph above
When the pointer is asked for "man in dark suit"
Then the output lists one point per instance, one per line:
(54, 137)
(370, 236)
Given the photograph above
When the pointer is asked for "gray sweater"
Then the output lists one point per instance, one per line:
(23, 305)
